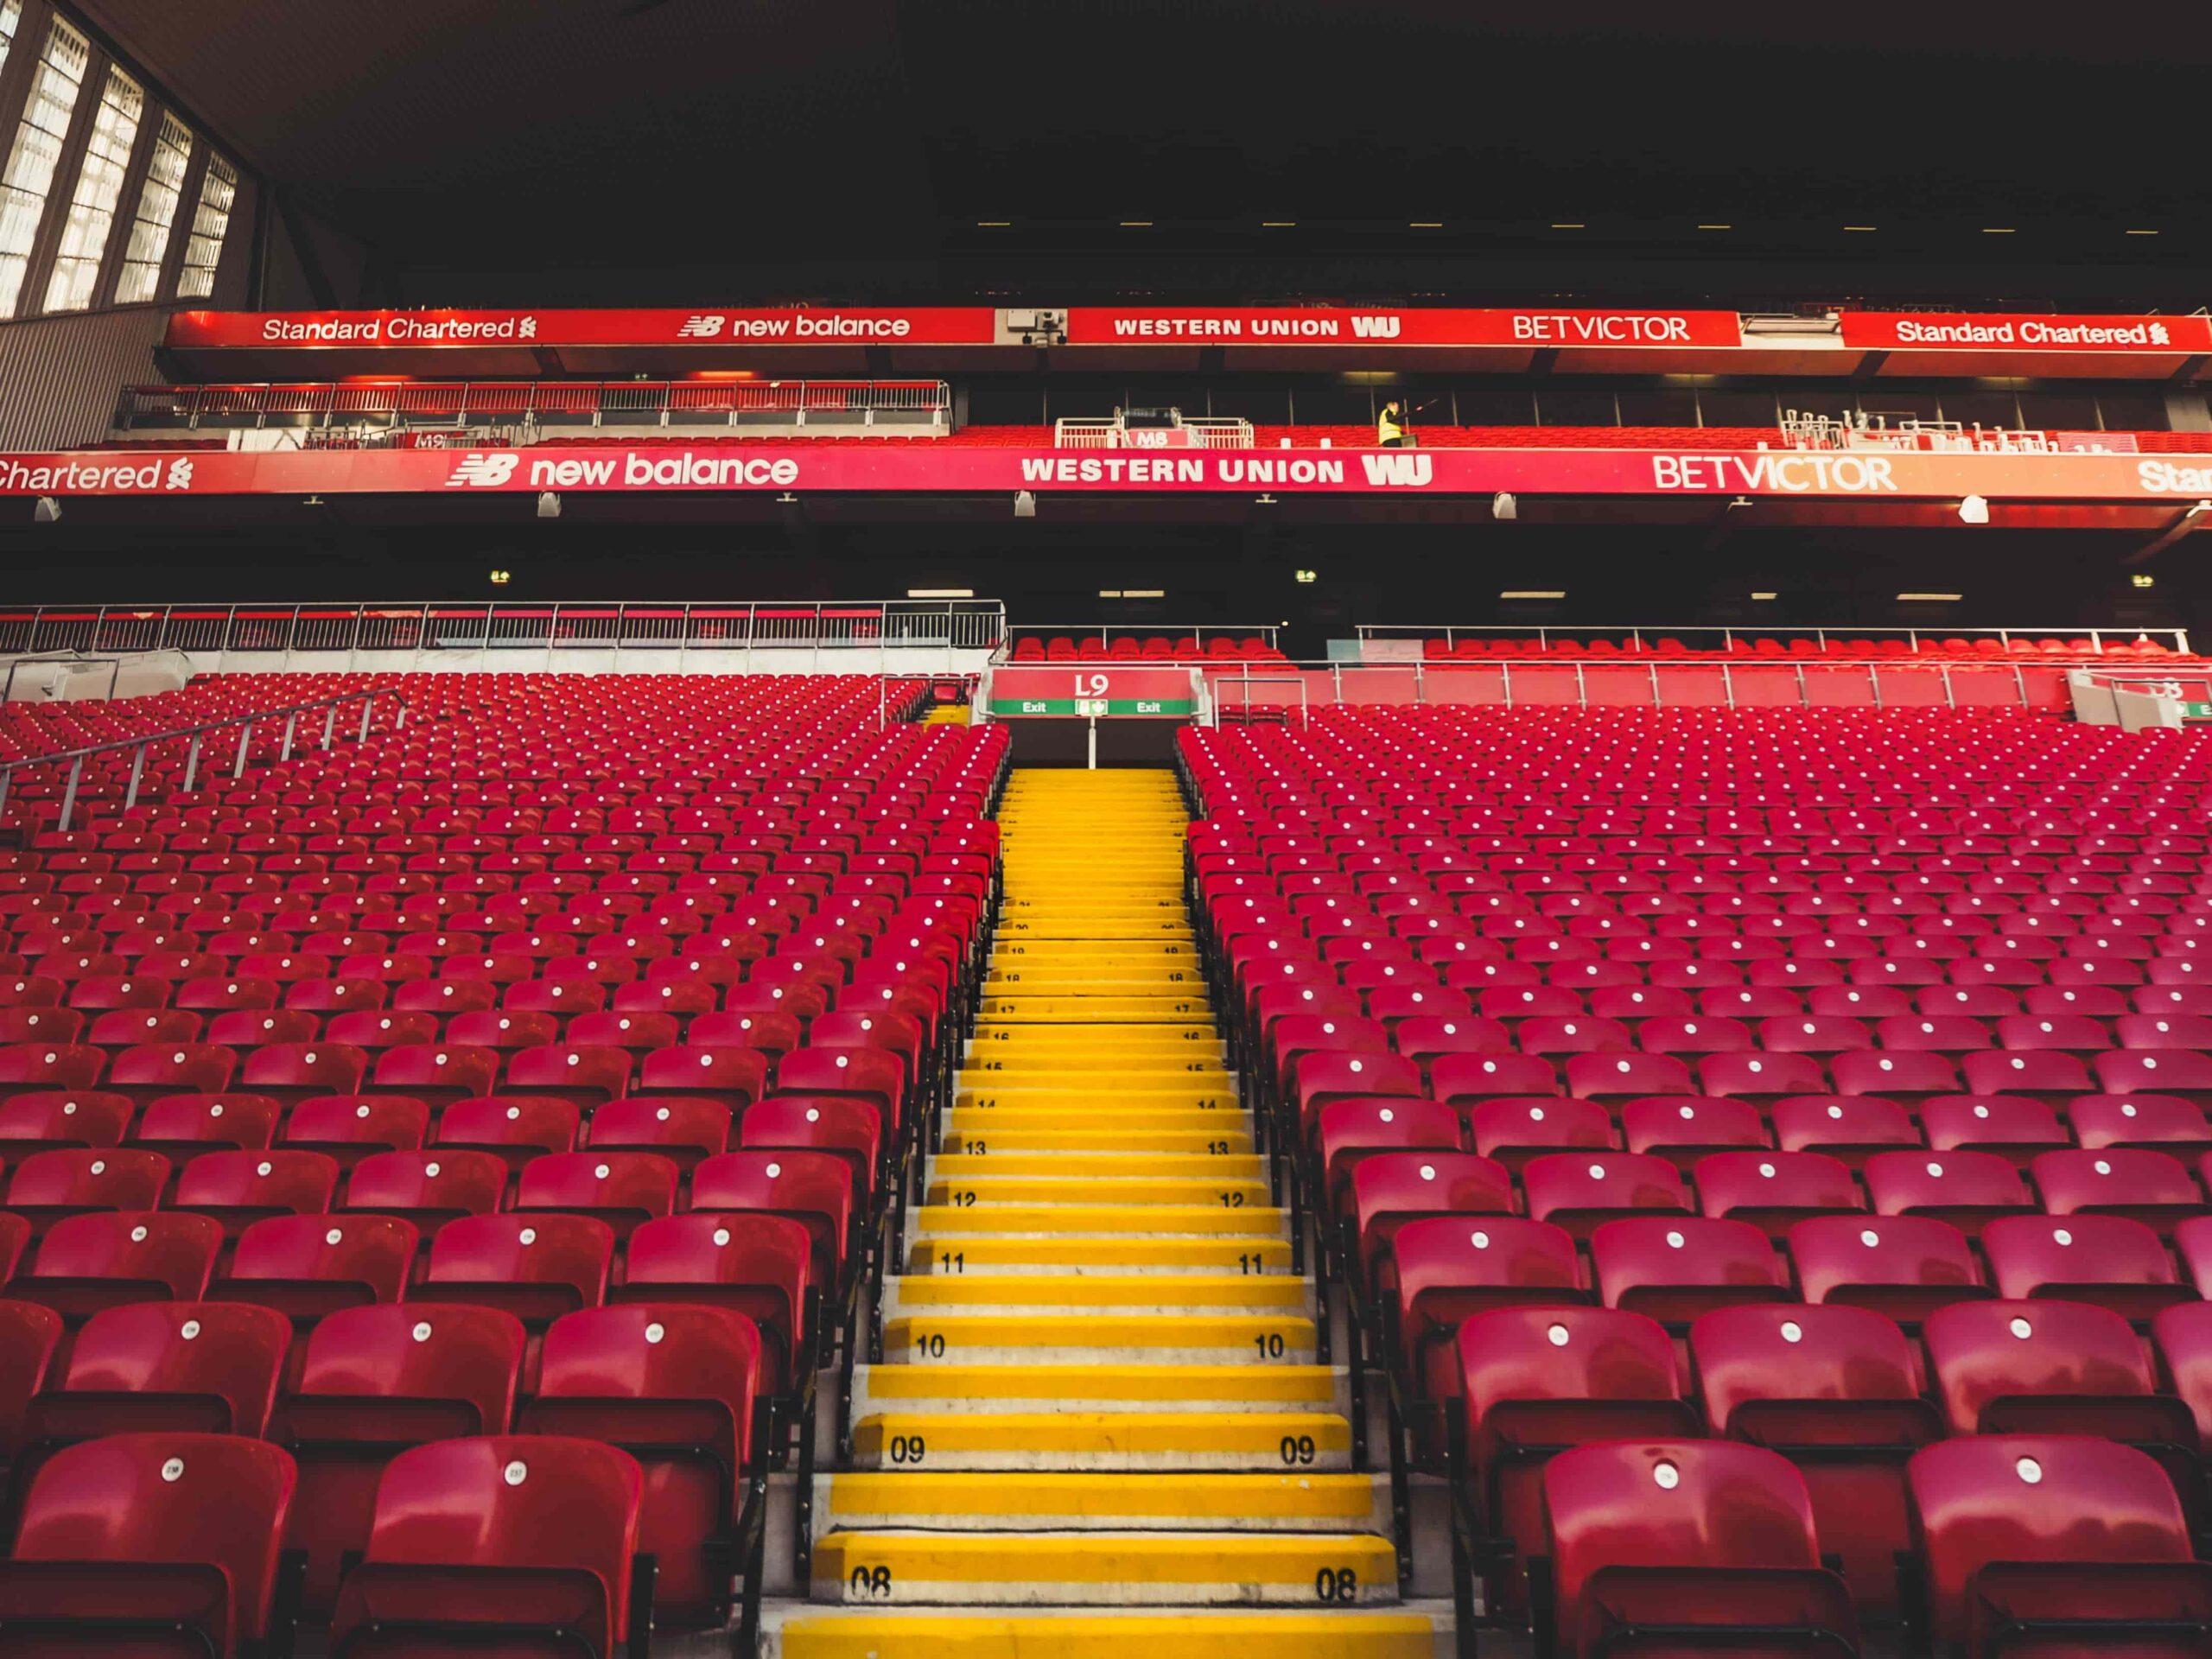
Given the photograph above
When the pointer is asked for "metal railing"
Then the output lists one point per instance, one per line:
(76, 659)
(540, 403)
(195, 736)
(1192, 432)
(1242, 690)
(1724, 637)
(1106, 633)
(1867, 430)
(425, 628)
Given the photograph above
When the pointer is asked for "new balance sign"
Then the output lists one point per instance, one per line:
(483, 472)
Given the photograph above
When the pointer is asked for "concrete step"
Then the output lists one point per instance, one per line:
(1101, 1188)
(1003, 1131)
(1055, 1500)
(1119, 1569)
(1127, 1441)
(1422, 1631)
(1098, 1037)
(970, 1157)
(971, 1290)
(1147, 1338)
(1121, 1387)
(1102, 1220)
(1043, 1006)
(942, 1253)
(985, 1091)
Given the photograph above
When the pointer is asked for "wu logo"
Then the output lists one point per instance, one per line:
(483, 472)
(1376, 328)
(1398, 470)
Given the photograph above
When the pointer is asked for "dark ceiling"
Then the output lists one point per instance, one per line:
(544, 150)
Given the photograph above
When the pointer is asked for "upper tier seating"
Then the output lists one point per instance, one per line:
(550, 1001)
(1143, 648)
(1857, 1056)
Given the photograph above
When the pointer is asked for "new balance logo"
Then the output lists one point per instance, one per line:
(1399, 471)
(483, 472)
(1376, 328)
(705, 326)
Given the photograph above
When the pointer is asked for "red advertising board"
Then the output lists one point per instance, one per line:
(1432, 327)
(863, 468)
(942, 325)
(1939, 331)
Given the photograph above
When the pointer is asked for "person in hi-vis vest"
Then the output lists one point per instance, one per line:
(1390, 427)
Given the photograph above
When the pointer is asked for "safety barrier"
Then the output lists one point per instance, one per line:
(1716, 639)
(1279, 690)
(563, 402)
(195, 737)
(423, 629)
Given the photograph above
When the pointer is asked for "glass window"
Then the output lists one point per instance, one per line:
(2059, 411)
(29, 174)
(99, 188)
(141, 278)
(203, 250)
(1658, 406)
(1576, 406)
(2128, 410)
(1481, 403)
(1969, 407)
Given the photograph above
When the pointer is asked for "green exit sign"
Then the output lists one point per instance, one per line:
(1094, 708)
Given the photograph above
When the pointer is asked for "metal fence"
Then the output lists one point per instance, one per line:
(428, 627)
(1708, 637)
(1106, 634)
(563, 403)
(1280, 691)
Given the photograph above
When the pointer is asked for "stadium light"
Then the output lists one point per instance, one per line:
(1930, 598)
(1975, 510)
(501, 578)
(1306, 578)
(1765, 595)
(940, 593)
(2144, 579)
(1505, 507)
(1534, 592)
(46, 511)
(1024, 504)
(549, 503)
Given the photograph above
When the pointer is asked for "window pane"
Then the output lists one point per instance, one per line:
(1658, 406)
(2128, 410)
(1576, 406)
(29, 174)
(203, 250)
(99, 187)
(157, 201)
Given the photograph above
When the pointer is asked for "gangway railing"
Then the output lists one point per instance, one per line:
(195, 737)
(1107, 633)
(114, 662)
(1185, 432)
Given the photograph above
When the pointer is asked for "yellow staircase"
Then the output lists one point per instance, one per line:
(1098, 1420)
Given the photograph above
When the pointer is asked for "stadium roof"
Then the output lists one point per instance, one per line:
(520, 149)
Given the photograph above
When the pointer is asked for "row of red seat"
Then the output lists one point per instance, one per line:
(1654, 1075)
(1150, 648)
(652, 913)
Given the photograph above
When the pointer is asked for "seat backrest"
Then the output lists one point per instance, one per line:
(210, 1367)
(1675, 1267)
(1987, 1352)
(758, 1264)
(1902, 1264)
(1748, 1358)
(89, 1178)
(442, 1179)
(309, 1264)
(145, 1502)
(277, 1179)
(652, 1353)
(1685, 1506)
(466, 1360)
(639, 1183)
(29, 1336)
(568, 1253)
(2034, 1499)
(167, 1251)
(501, 1502)
(2109, 1259)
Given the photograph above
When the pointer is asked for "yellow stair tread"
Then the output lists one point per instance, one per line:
(1308, 1494)
(927, 1252)
(1287, 1384)
(918, 1292)
(1128, 1431)
(1106, 1557)
(1105, 1633)
(1237, 1330)
(1098, 1218)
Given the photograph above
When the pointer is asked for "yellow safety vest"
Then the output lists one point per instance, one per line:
(1387, 428)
